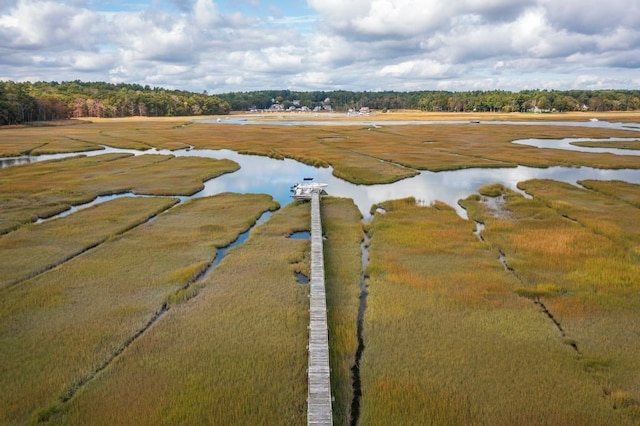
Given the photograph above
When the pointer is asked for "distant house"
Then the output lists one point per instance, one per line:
(326, 105)
(276, 108)
(364, 111)
(537, 110)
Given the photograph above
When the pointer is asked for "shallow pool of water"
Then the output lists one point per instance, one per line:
(567, 144)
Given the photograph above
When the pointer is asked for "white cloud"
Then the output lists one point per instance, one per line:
(312, 80)
(91, 61)
(355, 44)
(33, 24)
(419, 69)
(205, 13)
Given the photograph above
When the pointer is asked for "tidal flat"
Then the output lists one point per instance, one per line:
(525, 311)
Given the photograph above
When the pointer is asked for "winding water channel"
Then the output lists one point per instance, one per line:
(258, 174)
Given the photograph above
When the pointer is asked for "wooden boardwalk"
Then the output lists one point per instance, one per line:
(319, 396)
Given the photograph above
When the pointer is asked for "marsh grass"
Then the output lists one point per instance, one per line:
(235, 354)
(44, 189)
(61, 326)
(42, 140)
(352, 151)
(632, 145)
(450, 342)
(136, 134)
(451, 337)
(625, 191)
(363, 155)
(36, 248)
(342, 256)
(576, 251)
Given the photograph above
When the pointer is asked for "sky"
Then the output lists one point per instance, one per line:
(403, 45)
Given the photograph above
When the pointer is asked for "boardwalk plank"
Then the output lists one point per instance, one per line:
(319, 395)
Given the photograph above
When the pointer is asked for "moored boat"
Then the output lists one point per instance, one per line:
(303, 191)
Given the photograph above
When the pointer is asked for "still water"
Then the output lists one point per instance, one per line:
(275, 177)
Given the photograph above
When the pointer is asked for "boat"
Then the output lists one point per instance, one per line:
(304, 191)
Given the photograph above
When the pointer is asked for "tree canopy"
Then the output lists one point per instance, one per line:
(495, 100)
(42, 101)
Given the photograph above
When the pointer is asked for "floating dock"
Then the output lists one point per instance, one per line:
(304, 191)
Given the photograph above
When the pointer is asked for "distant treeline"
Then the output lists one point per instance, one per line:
(495, 100)
(44, 101)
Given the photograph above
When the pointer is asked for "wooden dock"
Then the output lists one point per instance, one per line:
(319, 396)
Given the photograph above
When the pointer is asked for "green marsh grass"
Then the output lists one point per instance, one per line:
(36, 248)
(576, 250)
(377, 155)
(451, 337)
(235, 354)
(60, 327)
(448, 340)
(43, 140)
(366, 155)
(137, 133)
(44, 189)
(625, 191)
(633, 145)
(343, 229)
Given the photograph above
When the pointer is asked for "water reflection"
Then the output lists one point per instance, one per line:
(275, 177)
(98, 200)
(345, 120)
(300, 235)
(452, 186)
(566, 144)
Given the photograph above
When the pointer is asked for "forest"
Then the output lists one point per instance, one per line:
(489, 101)
(46, 101)
(24, 102)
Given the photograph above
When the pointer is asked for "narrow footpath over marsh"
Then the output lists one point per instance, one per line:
(319, 397)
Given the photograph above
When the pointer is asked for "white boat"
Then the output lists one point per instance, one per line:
(303, 191)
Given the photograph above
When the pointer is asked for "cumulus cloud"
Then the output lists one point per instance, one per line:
(33, 24)
(593, 17)
(356, 44)
(419, 69)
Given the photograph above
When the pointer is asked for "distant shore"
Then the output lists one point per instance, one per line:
(614, 116)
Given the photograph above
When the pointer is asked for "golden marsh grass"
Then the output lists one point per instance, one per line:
(633, 145)
(44, 189)
(451, 336)
(576, 250)
(376, 155)
(36, 248)
(343, 231)
(449, 341)
(625, 191)
(61, 326)
(235, 354)
(359, 154)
